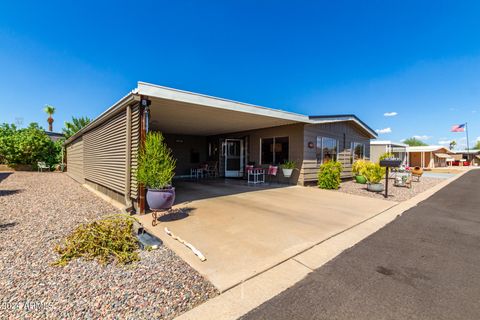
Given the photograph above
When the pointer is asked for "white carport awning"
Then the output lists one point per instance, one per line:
(180, 112)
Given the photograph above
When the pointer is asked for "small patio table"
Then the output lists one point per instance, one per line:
(257, 174)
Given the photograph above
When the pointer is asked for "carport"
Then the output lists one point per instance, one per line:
(201, 129)
(244, 231)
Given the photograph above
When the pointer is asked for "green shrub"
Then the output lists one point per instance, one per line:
(288, 165)
(358, 167)
(108, 239)
(329, 175)
(27, 146)
(156, 164)
(373, 172)
(386, 155)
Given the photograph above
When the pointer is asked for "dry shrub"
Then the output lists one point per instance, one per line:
(109, 239)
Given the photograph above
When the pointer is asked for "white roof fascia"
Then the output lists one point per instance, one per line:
(161, 92)
(387, 142)
(426, 148)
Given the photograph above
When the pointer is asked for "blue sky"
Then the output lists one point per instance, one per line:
(419, 59)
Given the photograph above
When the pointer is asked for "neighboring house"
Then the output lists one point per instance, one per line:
(200, 129)
(472, 155)
(54, 136)
(378, 148)
(430, 156)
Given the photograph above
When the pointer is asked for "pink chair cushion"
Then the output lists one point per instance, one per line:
(272, 170)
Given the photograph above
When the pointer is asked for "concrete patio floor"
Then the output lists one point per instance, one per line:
(245, 230)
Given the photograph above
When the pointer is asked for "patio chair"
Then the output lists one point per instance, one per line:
(248, 172)
(212, 169)
(42, 166)
(272, 172)
(199, 172)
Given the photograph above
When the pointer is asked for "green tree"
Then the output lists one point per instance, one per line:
(50, 110)
(477, 146)
(7, 142)
(72, 127)
(413, 142)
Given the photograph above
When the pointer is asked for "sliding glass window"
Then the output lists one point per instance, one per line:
(274, 150)
(327, 149)
(358, 151)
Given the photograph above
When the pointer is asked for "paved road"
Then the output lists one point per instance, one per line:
(423, 265)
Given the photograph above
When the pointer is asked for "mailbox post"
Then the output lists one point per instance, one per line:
(389, 163)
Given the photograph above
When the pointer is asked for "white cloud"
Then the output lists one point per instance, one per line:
(478, 138)
(401, 140)
(390, 114)
(424, 137)
(444, 142)
(385, 130)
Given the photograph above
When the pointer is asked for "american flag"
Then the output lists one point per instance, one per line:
(458, 128)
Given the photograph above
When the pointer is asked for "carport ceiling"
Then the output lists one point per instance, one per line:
(175, 117)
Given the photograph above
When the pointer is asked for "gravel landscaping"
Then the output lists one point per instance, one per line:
(394, 193)
(37, 210)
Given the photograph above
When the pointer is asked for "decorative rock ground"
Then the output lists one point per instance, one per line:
(394, 193)
(37, 210)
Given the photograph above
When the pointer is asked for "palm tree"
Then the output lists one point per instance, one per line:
(452, 145)
(74, 126)
(50, 110)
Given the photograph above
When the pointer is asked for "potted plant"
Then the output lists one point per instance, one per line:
(374, 174)
(357, 169)
(287, 168)
(155, 171)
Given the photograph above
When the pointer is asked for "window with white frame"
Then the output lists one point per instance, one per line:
(358, 151)
(327, 149)
(274, 150)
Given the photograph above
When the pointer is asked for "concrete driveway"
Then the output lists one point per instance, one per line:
(245, 230)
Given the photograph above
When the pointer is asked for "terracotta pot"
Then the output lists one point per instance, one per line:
(160, 199)
(417, 171)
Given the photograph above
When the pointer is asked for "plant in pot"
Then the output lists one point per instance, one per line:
(358, 168)
(155, 171)
(374, 174)
(287, 168)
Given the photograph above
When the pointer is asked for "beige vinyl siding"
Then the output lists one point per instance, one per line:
(345, 133)
(294, 132)
(134, 150)
(75, 160)
(105, 153)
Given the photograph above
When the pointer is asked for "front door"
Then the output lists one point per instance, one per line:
(234, 154)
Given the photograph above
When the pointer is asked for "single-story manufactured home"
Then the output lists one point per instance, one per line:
(378, 148)
(429, 156)
(471, 156)
(200, 129)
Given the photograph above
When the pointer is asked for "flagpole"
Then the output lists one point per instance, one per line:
(468, 148)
